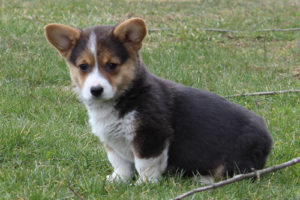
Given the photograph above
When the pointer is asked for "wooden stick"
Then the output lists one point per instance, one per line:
(233, 31)
(220, 30)
(279, 29)
(264, 93)
(240, 177)
(263, 30)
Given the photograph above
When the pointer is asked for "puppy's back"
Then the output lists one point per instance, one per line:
(211, 133)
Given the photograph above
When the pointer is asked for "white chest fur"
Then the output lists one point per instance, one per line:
(117, 132)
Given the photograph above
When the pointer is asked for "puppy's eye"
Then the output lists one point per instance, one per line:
(84, 67)
(110, 67)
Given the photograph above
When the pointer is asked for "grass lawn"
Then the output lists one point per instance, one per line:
(46, 145)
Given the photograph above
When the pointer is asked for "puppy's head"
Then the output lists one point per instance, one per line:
(102, 59)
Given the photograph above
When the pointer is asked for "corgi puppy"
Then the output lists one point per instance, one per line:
(149, 124)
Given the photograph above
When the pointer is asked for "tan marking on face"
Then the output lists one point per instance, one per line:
(104, 57)
(75, 75)
(122, 76)
(86, 57)
(78, 77)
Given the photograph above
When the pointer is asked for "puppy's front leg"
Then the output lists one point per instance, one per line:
(123, 170)
(151, 169)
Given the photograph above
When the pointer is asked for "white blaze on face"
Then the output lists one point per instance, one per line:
(95, 78)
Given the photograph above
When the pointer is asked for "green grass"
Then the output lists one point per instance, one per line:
(45, 140)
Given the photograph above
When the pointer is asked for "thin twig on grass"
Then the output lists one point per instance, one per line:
(234, 31)
(279, 29)
(262, 30)
(220, 30)
(240, 177)
(264, 93)
(158, 29)
(74, 192)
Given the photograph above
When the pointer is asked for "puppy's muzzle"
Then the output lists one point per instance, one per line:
(96, 91)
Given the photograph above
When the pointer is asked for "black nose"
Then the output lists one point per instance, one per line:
(96, 91)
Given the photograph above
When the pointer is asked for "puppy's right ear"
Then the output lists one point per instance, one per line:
(62, 37)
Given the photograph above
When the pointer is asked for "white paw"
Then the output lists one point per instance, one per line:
(114, 177)
(142, 180)
(204, 179)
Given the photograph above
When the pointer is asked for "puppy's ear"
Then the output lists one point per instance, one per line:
(62, 37)
(131, 33)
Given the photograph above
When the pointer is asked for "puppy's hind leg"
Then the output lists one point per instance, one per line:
(151, 169)
(216, 175)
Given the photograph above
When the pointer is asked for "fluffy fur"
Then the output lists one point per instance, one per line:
(151, 124)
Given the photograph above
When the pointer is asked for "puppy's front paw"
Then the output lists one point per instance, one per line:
(114, 177)
(204, 179)
(146, 180)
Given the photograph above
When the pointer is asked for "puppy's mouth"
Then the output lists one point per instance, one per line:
(97, 97)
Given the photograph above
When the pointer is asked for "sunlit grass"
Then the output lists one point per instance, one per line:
(45, 140)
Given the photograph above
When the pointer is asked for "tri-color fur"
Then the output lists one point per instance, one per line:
(151, 124)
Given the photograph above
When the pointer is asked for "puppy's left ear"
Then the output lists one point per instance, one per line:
(131, 33)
